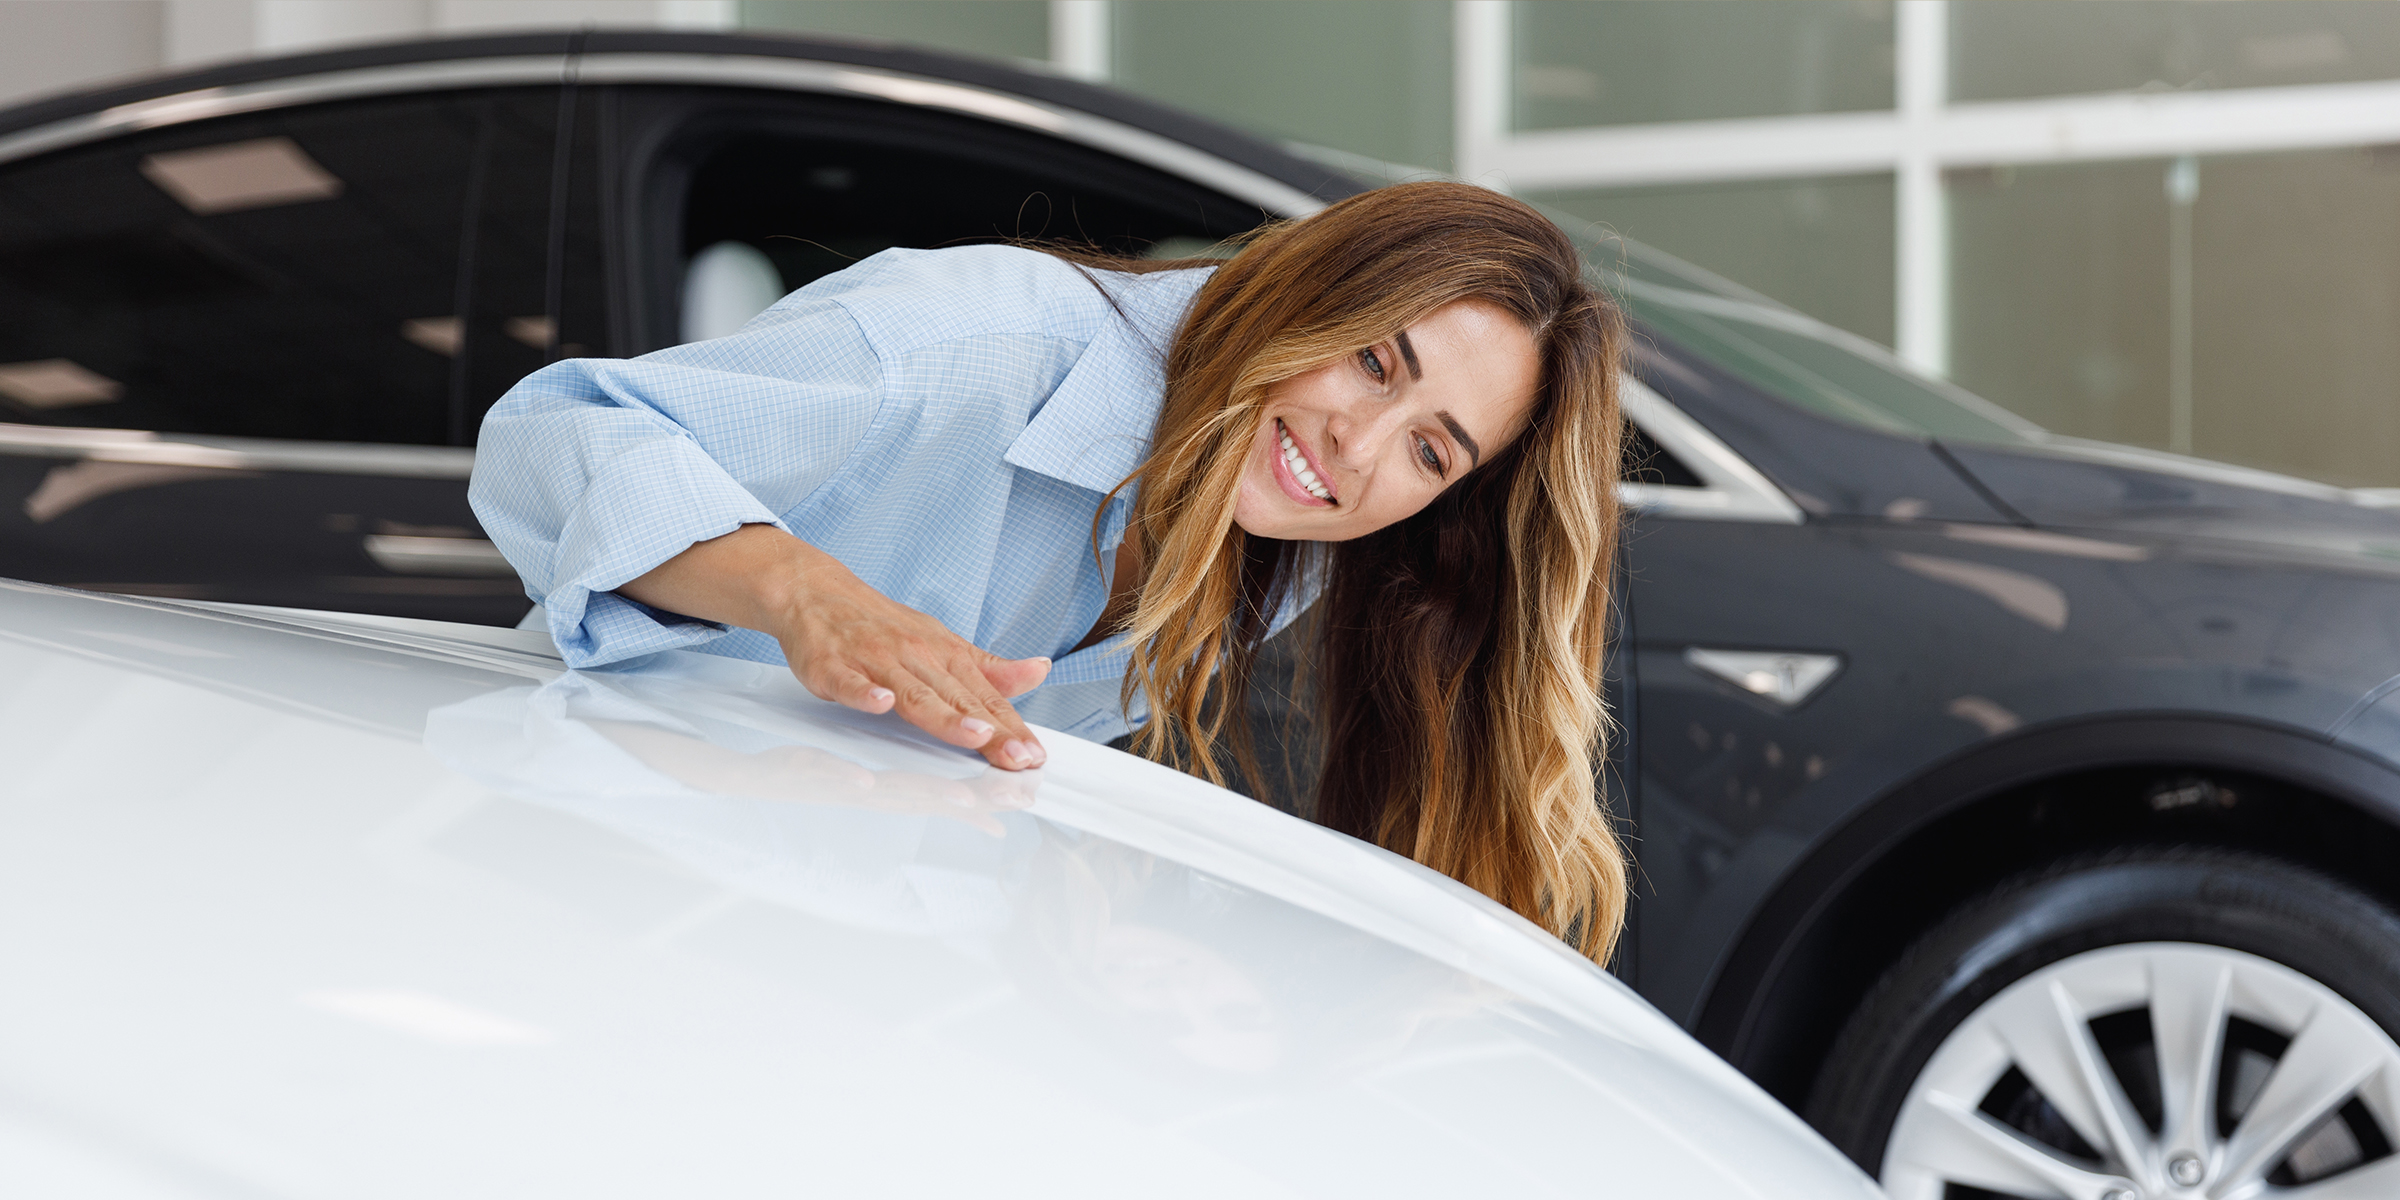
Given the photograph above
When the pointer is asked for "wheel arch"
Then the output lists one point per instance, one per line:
(1823, 934)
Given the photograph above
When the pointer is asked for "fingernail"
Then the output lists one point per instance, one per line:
(879, 695)
(981, 729)
(1024, 754)
(1043, 659)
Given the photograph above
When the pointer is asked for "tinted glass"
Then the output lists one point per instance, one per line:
(1797, 359)
(1646, 462)
(1822, 245)
(815, 185)
(296, 273)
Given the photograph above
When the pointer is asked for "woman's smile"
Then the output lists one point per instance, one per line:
(1297, 471)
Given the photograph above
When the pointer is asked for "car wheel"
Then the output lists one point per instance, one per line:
(2154, 1025)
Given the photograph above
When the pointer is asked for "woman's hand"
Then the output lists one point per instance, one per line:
(850, 644)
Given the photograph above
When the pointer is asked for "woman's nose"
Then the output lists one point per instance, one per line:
(1353, 435)
(1338, 428)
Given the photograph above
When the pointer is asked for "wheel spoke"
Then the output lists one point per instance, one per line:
(2187, 1020)
(2045, 1030)
(1961, 1145)
(2378, 1180)
(2324, 1065)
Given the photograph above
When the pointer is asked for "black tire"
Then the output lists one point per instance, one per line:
(2298, 918)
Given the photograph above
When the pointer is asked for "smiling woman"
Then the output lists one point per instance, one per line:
(1409, 402)
(918, 480)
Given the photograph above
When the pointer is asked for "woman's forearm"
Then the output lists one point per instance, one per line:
(748, 578)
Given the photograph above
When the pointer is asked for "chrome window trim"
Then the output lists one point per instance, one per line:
(1731, 489)
(236, 454)
(737, 70)
(206, 103)
(1098, 132)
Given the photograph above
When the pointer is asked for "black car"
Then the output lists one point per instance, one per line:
(2025, 811)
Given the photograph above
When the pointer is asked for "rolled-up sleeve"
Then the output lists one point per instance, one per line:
(591, 472)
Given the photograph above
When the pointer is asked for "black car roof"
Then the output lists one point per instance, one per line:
(1231, 145)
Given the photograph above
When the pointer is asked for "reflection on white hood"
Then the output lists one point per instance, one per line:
(321, 905)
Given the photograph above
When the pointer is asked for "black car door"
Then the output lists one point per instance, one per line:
(1794, 641)
(243, 358)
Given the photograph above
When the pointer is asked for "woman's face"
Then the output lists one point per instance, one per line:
(1369, 439)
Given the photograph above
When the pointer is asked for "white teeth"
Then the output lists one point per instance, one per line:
(1298, 464)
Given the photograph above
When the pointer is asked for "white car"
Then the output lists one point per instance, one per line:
(299, 904)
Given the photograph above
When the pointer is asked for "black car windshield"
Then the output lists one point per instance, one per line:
(1800, 359)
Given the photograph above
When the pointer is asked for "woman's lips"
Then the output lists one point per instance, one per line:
(1289, 482)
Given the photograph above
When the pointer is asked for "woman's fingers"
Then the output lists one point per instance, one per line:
(958, 706)
(966, 713)
(1010, 745)
(852, 688)
(864, 651)
(1013, 746)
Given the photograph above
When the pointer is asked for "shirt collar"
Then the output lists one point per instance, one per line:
(1094, 428)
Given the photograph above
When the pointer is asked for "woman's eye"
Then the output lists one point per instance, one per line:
(1372, 362)
(1433, 462)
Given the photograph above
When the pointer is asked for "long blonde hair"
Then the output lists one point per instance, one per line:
(1457, 653)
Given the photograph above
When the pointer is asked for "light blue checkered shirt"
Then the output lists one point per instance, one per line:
(944, 422)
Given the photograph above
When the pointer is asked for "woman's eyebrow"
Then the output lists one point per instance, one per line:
(1460, 432)
(1408, 354)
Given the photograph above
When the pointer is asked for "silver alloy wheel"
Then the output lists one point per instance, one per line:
(2156, 1071)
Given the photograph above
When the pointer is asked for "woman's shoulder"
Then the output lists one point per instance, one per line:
(924, 296)
(904, 299)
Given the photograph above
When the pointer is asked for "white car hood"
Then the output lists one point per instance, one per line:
(302, 904)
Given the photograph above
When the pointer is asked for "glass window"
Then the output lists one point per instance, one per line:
(1813, 366)
(756, 193)
(1799, 359)
(2296, 297)
(1823, 246)
(1370, 77)
(992, 28)
(1646, 462)
(2064, 292)
(294, 273)
(2058, 305)
(2007, 49)
(61, 47)
(1619, 62)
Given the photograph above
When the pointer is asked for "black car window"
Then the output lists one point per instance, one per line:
(807, 185)
(1807, 363)
(1645, 461)
(292, 273)
(1797, 359)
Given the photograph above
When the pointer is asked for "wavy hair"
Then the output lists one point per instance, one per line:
(1457, 653)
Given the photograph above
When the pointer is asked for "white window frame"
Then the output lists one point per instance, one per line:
(1915, 141)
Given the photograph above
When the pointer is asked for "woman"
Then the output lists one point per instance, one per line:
(920, 480)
